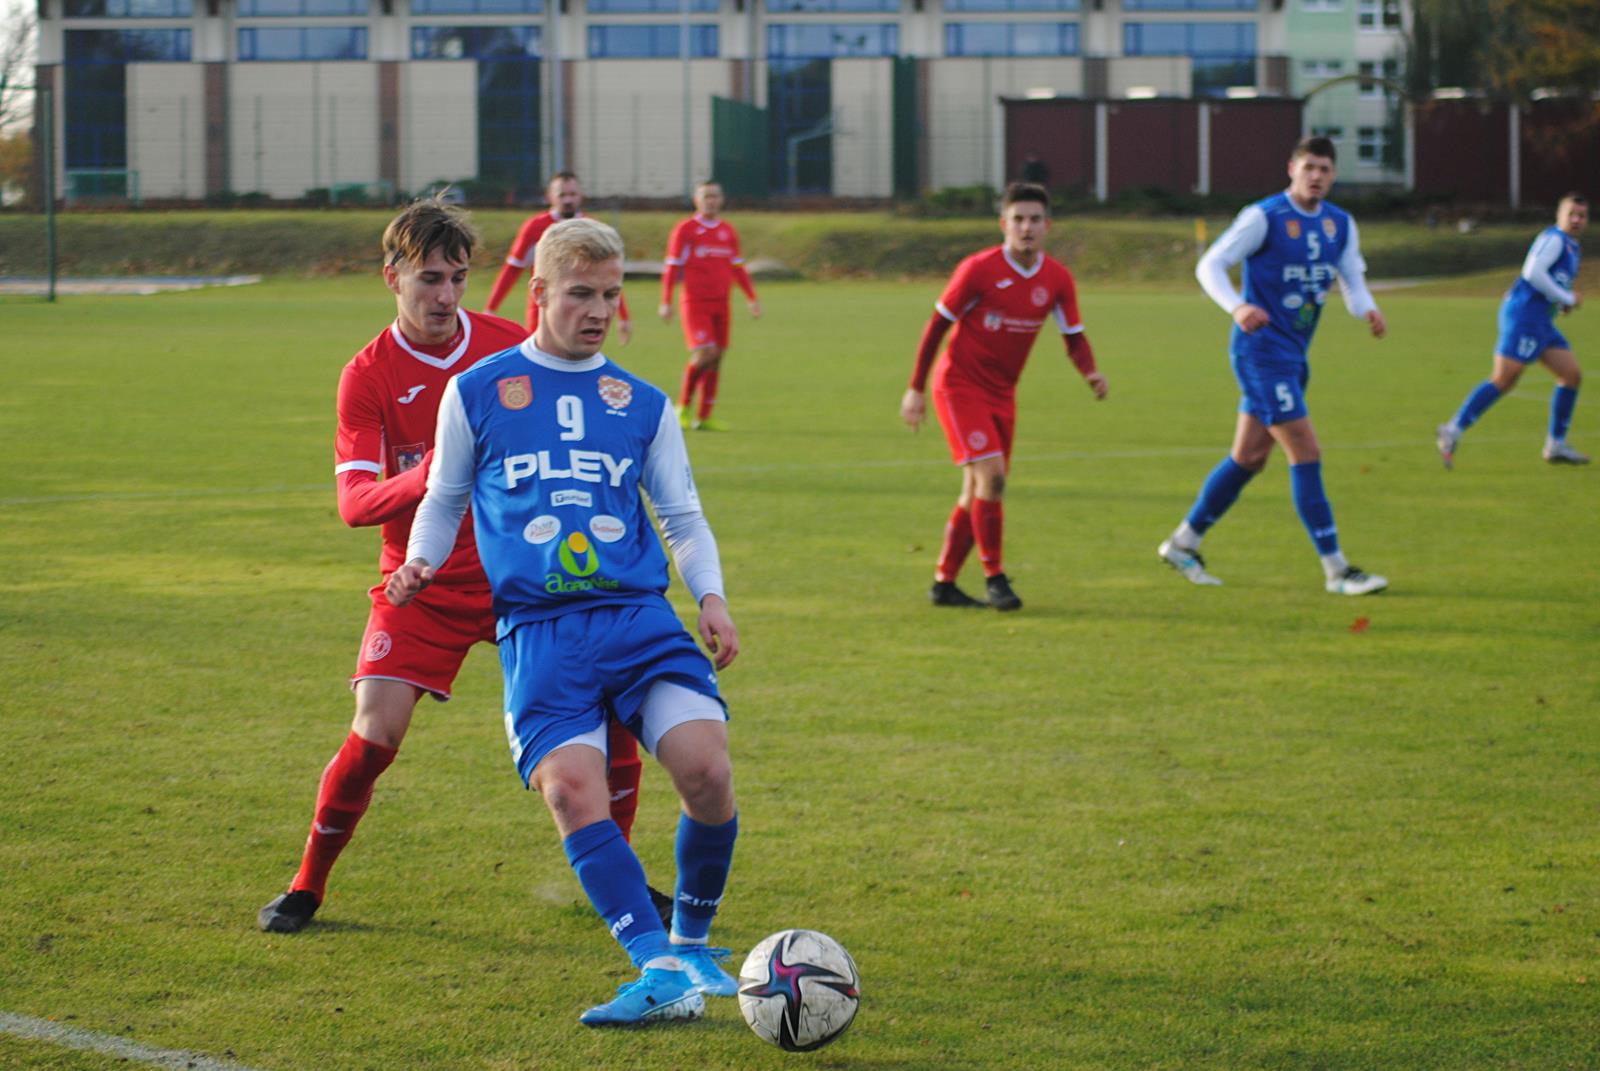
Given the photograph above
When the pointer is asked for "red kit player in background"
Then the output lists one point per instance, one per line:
(388, 405)
(997, 300)
(564, 195)
(704, 252)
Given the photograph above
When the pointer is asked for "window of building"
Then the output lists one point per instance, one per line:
(832, 7)
(955, 6)
(1317, 70)
(477, 7)
(832, 40)
(127, 9)
(127, 46)
(300, 8)
(1189, 39)
(648, 7)
(1334, 134)
(1389, 69)
(1190, 5)
(653, 41)
(303, 43)
(1011, 39)
(1372, 144)
(1316, 6)
(475, 42)
(1378, 15)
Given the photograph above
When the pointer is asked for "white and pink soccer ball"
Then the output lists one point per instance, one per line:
(799, 989)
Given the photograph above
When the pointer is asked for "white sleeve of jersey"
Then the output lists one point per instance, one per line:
(1353, 277)
(433, 532)
(669, 482)
(1542, 256)
(1244, 237)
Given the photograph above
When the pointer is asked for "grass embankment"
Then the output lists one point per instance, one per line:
(814, 245)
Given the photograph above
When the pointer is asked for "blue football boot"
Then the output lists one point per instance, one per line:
(656, 996)
(702, 966)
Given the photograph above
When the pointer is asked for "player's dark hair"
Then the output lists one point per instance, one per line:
(561, 176)
(703, 183)
(1315, 145)
(1573, 197)
(427, 225)
(1025, 191)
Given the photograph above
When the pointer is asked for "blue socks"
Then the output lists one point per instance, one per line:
(1219, 492)
(614, 881)
(704, 853)
(1562, 403)
(1478, 402)
(1312, 504)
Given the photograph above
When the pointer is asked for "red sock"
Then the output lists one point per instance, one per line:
(708, 391)
(988, 521)
(691, 378)
(957, 544)
(623, 776)
(342, 799)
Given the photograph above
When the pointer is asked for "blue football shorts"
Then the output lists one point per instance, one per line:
(565, 675)
(1273, 392)
(1524, 340)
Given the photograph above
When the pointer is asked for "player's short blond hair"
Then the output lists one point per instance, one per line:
(572, 242)
(425, 226)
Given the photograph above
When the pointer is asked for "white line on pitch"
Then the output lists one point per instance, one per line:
(72, 1037)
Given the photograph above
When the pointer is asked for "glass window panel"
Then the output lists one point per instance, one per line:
(303, 43)
(783, 7)
(651, 41)
(127, 46)
(832, 40)
(475, 42)
(649, 7)
(128, 9)
(477, 7)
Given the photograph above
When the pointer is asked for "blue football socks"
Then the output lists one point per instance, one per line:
(704, 854)
(1478, 402)
(1312, 503)
(1562, 402)
(1220, 491)
(614, 881)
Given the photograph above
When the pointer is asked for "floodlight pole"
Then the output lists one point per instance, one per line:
(47, 106)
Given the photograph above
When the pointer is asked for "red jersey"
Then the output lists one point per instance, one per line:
(520, 259)
(388, 405)
(705, 255)
(998, 309)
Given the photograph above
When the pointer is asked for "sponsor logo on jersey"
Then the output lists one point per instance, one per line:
(606, 528)
(616, 393)
(542, 529)
(992, 321)
(378, 645)
(572, 498)
(408, 456)
(574, 547)
(516, 392)
(1004, 284)
(1293, 301)
(1314, 276)
(1040, 295)
(587, 466)
(1291, 227)
(411, 395)
(977, 440)
(1330, 228)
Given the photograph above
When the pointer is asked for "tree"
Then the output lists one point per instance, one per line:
(18, 28)
(1504, 48)
(16, 161)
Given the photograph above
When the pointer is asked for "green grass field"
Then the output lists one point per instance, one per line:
(1139, 825)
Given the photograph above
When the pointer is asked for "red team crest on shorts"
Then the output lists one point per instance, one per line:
(516, 392)
(616, 393)
(378, 645)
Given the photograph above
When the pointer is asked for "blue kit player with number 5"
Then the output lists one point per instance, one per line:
(555, 447)
(1528, 333)
(1293, 245)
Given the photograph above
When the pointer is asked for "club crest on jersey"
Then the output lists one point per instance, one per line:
(378, 645)
(1040, 295)
(992, 321)
(1291, 227)
(408, 456)
(516, 392)
(616, 393)
(1329, 228)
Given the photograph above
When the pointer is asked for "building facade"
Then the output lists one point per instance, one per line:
(190, 99)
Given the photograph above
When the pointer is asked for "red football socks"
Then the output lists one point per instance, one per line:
(988, 521)
(342, 799)
(708, 391)
(691, 379)
(623, 776)
(957, 544)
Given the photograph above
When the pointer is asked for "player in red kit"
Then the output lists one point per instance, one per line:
(997, 300)
(564, 195)
(704, 252)
(388, 404)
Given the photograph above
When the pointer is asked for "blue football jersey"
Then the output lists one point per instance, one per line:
(1289, 275)
(1524, 301)
(559, 458)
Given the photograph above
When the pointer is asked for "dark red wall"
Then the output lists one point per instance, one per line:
(1152, 143)
(1059, 132)
(1461, 151)
(1250, 145)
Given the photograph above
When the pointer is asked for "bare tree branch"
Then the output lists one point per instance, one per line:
(19, 26)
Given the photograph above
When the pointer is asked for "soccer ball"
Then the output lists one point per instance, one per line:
(799, 989)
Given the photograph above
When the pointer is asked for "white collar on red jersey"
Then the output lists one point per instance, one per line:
(559, 364)
(1026, 273)
(436, 362)
(708, 224)
(562, 219)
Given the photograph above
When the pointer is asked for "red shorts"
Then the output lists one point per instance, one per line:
(424, 642)
(976, 426)
(705, 322)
